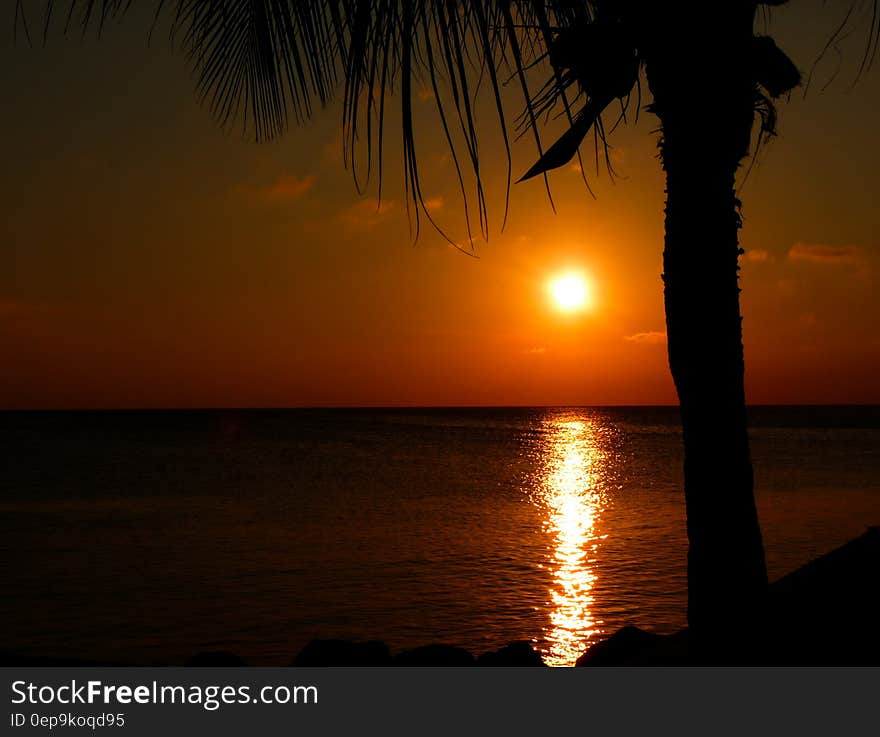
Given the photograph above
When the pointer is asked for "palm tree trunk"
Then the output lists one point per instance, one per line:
(726, 572)
(705, 102)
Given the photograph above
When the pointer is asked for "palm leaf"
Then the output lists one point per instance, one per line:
(263, 64)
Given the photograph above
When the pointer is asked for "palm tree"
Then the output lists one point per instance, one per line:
(262, 62)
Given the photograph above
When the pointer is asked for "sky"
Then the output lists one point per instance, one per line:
(152, 259)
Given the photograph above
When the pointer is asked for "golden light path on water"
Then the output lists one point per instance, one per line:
(571, 495)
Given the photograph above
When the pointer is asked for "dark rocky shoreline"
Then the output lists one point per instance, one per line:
(826, 613)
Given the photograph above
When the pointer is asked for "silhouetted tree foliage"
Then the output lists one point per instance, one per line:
(261, 64)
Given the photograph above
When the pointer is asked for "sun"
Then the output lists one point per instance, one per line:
(570, 292)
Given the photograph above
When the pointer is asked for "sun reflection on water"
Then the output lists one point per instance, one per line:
(571, 495)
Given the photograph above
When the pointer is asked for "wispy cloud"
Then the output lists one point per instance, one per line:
(758, 255)
(284, 188)
(825, 254)
(535, 351)
(289, 187)
(367, 213)
(651, 337)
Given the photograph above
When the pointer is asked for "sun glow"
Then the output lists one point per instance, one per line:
(569, 292)
(571, 494)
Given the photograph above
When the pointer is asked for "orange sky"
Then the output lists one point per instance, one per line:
(151, 260)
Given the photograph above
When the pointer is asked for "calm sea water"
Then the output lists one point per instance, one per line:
(149, 536)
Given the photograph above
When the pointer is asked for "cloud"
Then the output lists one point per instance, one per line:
(535, 351)
(434, 203)
(469, 246)
(825, 254)
(289, 187)
(367, 213)
(284, 188)
(757, 254)
(652, 337)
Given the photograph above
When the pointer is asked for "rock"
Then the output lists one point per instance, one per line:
(514, 654)
(826, 612)
(623, 648)
(434, 655)
(328, 653)
(10, 659)
(215, 659)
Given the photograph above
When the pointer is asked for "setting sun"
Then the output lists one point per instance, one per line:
(569, 292)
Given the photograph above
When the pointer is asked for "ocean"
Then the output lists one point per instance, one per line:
(148, 536)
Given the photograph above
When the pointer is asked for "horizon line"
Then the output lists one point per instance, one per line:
(378, 407)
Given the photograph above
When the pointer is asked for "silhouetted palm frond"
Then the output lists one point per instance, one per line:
(262, 63)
